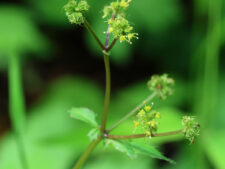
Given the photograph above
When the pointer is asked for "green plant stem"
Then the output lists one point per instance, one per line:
(107, 92)
(94, 143)
(21, 149)
(132, 112)
(108, 81)
(17, 105)
(111, 45)
(87, 25)
(135, 136)
(88, 151)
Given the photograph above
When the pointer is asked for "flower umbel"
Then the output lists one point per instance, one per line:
(75, 10)
(163, 85)
(119, 26)
(191, 128)
(147, 119)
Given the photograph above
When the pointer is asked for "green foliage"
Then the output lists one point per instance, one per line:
(132, 148)
(122, 147)
(147, 149)
(154, 22)
(112, 160)
(85, 115)
(50, 10)
(93, 134)
(214, 148)
(18, 34)
(75, 11)
(68, 141)
(51, 134)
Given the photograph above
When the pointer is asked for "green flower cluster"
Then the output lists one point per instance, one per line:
(162, 85)
(147, 119)
(75, 10)
(119, 26)
(191, 128)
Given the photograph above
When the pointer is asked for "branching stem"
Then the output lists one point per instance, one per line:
(132, 112)
(111, 45)
(135, 136)
(88, 151)
(87, 25)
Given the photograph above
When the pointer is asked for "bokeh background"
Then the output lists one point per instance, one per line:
(57, 66)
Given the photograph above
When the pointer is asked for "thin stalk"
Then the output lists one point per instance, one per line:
(108, 83)
(94, 143)
(107, 92)
(17, 105)
(132, 112)
(87, 25)
(21, 149)
(88, 151)
(111, 45)
(135, 136)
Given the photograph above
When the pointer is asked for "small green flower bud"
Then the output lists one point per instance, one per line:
(107, 11)
(75, 10)
(147, 108)
(162, 85)
(191, 128)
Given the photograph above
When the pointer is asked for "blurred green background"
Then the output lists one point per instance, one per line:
(48, 66)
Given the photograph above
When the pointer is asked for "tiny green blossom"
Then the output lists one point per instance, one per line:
(116, 8)
(191, 128)
(119, 26)
(162, 85)
(75, 11)
(146, 118)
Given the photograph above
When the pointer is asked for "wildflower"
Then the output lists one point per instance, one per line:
(122, 38)
(158, 115)
(162, 85)
(121, 28)
(147, 119)
(147, 108)
(75, 10)
(191, 128)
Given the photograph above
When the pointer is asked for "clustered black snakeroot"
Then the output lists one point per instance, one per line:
(145, 116)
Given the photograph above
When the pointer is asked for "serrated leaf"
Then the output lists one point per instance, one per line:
(122, 147)
(85, 115)
(93, 134)
(149, 150)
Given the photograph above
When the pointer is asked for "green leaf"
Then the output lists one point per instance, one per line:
(93, 134)
(122, 147)
(51, 11)
(156, 22)
(85, 115)
(133, 148)
(147, 149)
(18, 33)
(213, 142)
(112, 160)
(46, 141)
